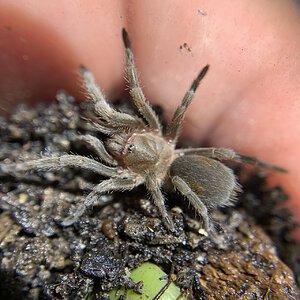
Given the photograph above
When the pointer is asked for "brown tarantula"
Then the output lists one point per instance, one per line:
(136, 152)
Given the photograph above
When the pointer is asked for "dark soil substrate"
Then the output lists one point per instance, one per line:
(40, 259)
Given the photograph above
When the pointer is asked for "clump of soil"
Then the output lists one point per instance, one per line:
(40, 259)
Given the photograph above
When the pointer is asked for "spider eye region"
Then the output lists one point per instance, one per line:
(130, 148)
(148, 152)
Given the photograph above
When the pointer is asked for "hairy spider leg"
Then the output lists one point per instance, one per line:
(57, 163)
(109, 185)
(175, 125)
(136, 91)
(105, 129)
(196, 202)
(154, 188)
(229, 154)
(98, 146)
(112, 117)
(62, 97)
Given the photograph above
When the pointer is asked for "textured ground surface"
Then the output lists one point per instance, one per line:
(41, 259)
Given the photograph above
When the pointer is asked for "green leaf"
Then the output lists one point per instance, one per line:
(154, 280)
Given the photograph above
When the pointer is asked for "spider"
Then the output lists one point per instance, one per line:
(137, 152)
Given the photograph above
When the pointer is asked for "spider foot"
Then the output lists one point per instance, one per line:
(74, 218)
(169, 223)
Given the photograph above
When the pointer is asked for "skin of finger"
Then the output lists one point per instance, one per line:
(42, 44)
(248, 100)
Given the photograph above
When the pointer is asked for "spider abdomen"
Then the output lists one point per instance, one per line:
(213, 182)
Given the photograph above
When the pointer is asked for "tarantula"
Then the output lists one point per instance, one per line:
(137, 152)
